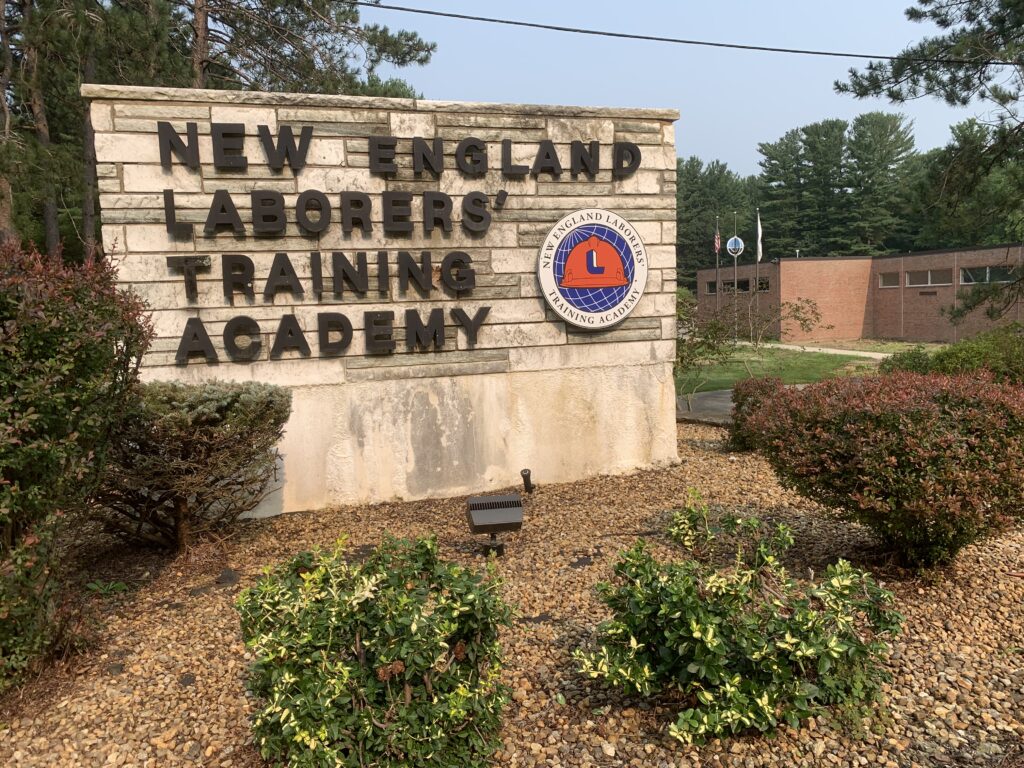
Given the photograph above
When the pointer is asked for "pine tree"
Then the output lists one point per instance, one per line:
(824, 162)
(51, 47)
(702, 193)
(977, 57)
(879, 147)
(782, 193)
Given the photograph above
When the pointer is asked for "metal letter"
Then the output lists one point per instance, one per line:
(267, 212)
(282, 277)
(302, 211)
(237, 273)
(333, 322)
(289, 336)
(357, 277)
(423, 275)
(171, 143)
(382, 154)
(285, 148)
(242, 326)
(456, 273)
(626, 158)
(470, 325)
(378, 328)
(195, 341)
(419, 335)
(229, 137)
(223, 214)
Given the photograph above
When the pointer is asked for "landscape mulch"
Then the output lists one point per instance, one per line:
(163, 681)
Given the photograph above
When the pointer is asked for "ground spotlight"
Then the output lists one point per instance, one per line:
(493, 515)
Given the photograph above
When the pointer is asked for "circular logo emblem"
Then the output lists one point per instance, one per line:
(734, 246)
(592, 268)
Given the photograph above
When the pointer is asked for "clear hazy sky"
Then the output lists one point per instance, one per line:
(729, 100)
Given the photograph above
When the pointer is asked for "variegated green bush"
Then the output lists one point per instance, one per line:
(747, 646)
(391, 663)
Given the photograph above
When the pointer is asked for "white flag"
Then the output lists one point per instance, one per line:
(759, 234)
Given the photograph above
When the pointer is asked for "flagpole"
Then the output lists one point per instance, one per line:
(735, 287)
(718, 271)
(757, 265)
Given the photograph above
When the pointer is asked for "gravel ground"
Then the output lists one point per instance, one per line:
(163, 683)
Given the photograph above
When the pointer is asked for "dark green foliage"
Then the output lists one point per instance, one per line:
(191, 458)
(70, 346)
(959, 65)
(749, 396)
(782, 180)
(879, 146)
(999, 351)
(391, 663)
(835, 189)
(703, 342)
(703, 192)
(929, 462)
(317, 46)
(746, 645)
(825, 216)
(977, 185)
(914, 360)
(47, 185)
(946, 212)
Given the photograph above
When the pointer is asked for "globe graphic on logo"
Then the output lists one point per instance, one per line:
(594, 299)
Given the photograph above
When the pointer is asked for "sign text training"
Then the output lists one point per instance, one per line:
(394, 215)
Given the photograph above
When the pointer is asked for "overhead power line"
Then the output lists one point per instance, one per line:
(675, 40)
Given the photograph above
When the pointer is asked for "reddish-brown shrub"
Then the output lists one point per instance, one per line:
(70, 346)
(749, 396)
(929, 462)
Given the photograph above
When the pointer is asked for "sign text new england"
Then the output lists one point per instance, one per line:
(388, 216)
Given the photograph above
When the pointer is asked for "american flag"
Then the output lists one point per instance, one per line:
(718, 240)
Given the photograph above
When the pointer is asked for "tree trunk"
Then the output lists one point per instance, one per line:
(89, 165)
(37, 103)
(8, 230)
(200, 46)
(182, 530)
(153, 14)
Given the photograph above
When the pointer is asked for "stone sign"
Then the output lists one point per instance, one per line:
(453, 291)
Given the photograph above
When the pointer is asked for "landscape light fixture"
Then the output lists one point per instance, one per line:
(493, 515)
(527, 482)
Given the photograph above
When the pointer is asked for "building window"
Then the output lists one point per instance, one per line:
(889, 280)
(977, 275)
(711, 288)
(927, 277)
(763, 285)
(744, 286)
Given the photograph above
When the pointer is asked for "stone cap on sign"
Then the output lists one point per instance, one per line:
(144, 93)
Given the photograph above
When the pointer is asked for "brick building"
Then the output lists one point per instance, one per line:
(899, 296)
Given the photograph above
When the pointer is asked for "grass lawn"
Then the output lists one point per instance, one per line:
(878, 345)
(791, 366)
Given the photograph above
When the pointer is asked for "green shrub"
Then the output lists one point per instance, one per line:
(747, 646)
(391, 663)
(191, 458)
(929, 463)
(70, 347)
(999, 351)
(915, 360)
(748, 397)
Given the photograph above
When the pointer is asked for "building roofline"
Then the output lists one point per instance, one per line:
(959, 249)
(791, 259)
